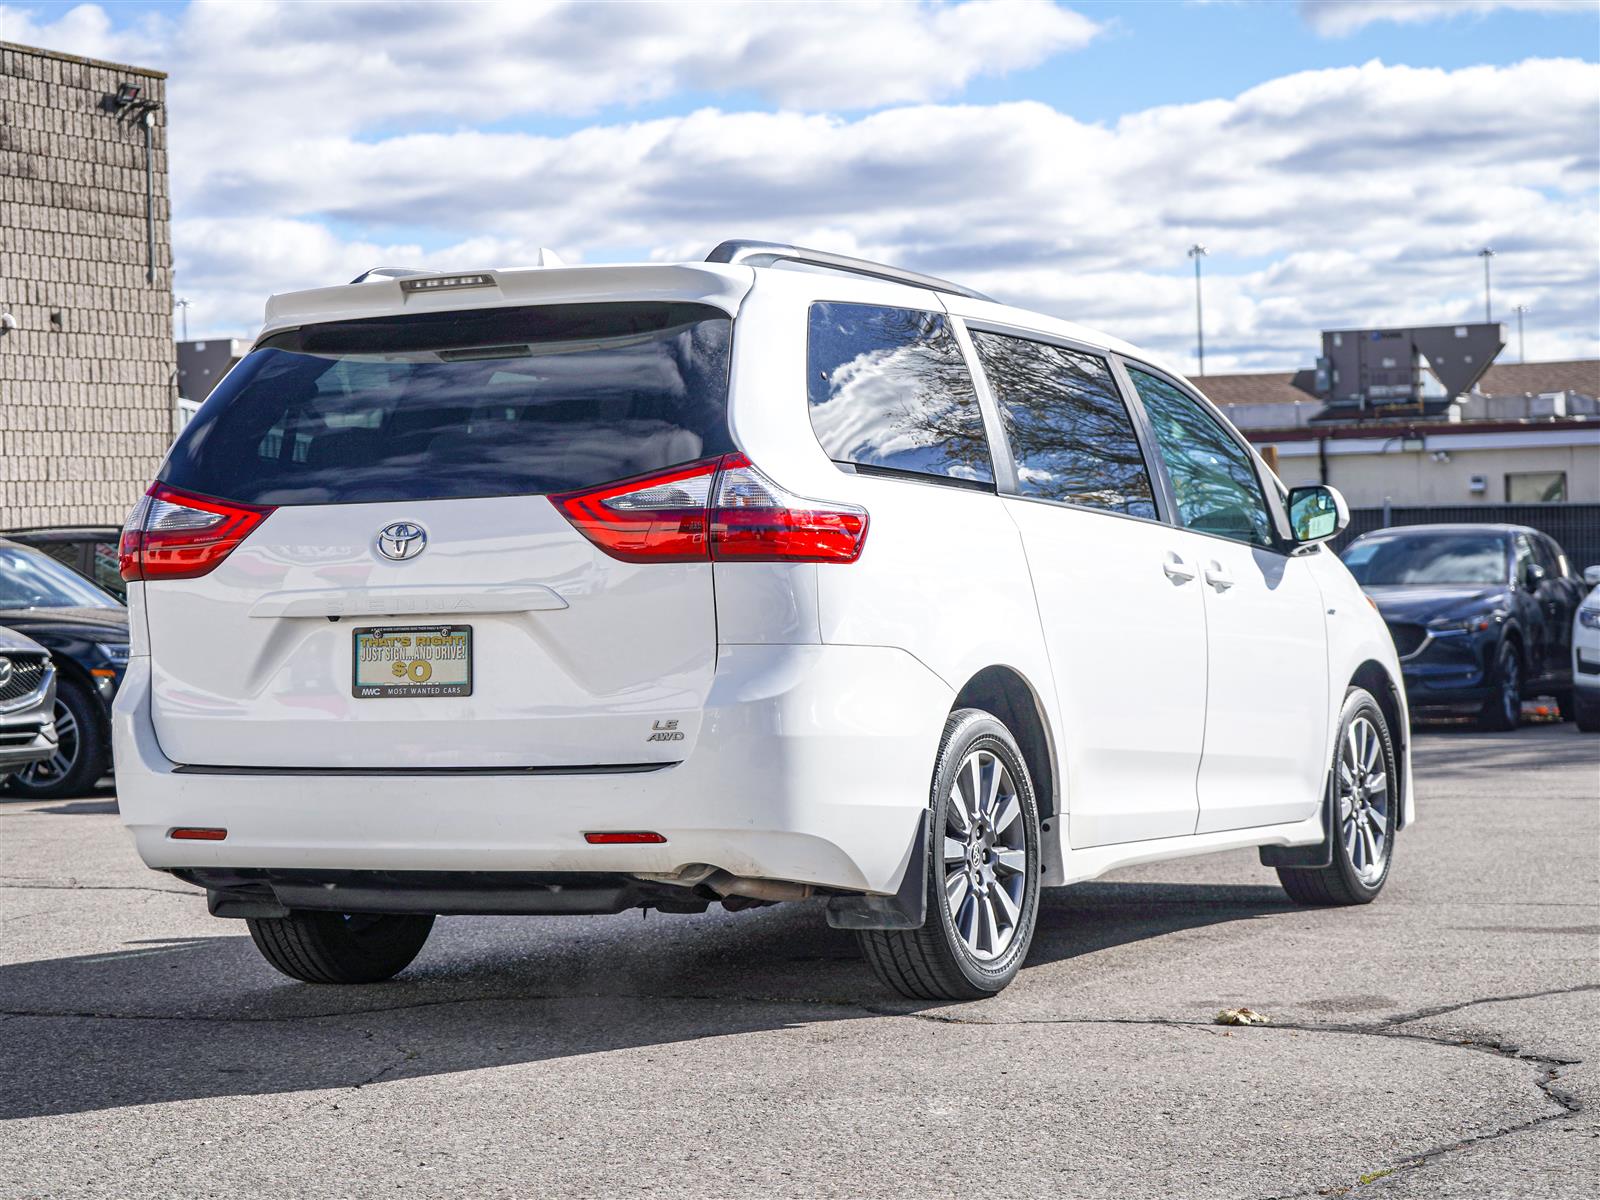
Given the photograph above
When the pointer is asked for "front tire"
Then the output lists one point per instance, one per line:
(982, 872)
(1502, 711)
(327, 947)
(1585, 711)
(83, 749)
(1363, 809)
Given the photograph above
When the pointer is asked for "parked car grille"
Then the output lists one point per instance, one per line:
(25, 678)
(1408, 638)
(13, 737)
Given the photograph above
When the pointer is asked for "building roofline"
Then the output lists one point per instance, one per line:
(39, 52)
(1416, 429)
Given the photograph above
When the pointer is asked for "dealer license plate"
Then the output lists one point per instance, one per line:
(413, 660)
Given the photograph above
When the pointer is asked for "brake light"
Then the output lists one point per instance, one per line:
(718, 508)
(177, 535)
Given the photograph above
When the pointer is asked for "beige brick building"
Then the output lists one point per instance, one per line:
(87, 374)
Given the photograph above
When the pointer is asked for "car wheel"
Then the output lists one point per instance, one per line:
(328, 947)
(1503, 709)
(1363, 808)
(82, 749)
(982, 872)
(1586, 711)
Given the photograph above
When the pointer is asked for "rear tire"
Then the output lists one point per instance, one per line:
(982, 872)
(1362, 812)
(1503, 710)
(1586, 711)
(326, 947)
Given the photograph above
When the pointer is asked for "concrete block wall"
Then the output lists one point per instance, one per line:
(87, 379)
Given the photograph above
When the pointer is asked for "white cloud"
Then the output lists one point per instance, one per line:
(1338, 18)
(1329, 198)
(347, 66)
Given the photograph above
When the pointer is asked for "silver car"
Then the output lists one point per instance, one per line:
(27, 700)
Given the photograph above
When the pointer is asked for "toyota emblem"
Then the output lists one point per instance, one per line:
(402, 540)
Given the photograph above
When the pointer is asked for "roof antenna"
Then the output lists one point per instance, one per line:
(549, 258)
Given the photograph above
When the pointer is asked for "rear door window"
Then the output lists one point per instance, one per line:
(1070, 433)
(890, 391)
(444, 405)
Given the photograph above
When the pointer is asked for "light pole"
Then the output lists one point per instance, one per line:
(1522, 346)
(1488, 313)
(183, 310)
(1197, 252)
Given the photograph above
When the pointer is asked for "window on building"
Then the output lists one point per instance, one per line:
(890, 390)
(1069, 431)
(1536, 487)
(1213, 477)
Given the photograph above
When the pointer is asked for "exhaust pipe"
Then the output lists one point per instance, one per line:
(771, 890)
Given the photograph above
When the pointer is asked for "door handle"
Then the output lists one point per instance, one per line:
(1177, 569)
(1217, 576)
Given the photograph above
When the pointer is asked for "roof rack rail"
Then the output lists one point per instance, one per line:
(764, 254)
(387, 273)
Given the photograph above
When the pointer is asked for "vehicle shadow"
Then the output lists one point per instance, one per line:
(203, 1017)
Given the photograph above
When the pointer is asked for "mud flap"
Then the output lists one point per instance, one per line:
(1318, 854)
(906, 909)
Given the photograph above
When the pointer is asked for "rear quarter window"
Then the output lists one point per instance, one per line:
(890, 391)
(491, 402)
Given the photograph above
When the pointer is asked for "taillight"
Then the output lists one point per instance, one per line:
(755, 520)
(650, 518)
(718, 508)
(176, 535)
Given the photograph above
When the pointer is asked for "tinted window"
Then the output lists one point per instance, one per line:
(497, 402)
(1213, 477)
(1068, 429)
(1469, 558)
(889, 389)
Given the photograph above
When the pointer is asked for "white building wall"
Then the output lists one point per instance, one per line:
(1370, 471)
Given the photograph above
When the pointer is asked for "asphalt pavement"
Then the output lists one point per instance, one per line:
(1443, 1042)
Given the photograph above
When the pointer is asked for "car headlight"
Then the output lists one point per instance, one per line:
(1589, 618)
(1474, 624)
(115, 653)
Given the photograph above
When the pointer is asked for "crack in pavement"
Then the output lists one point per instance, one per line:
(1567, 1105)
(96, 887)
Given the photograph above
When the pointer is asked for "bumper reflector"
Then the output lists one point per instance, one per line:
(191, 834)
(629, 838)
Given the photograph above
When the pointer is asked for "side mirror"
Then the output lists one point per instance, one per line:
(1591, 575)
(1317, 513)
(1533, 575)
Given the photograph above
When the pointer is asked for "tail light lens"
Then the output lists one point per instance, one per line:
(755, 520)
(650, 518)
(177, 535)
(718, 508)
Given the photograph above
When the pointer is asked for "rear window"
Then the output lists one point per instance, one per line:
(890, 391)
(435, 406)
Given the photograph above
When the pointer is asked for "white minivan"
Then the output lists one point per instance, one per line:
(775, 576)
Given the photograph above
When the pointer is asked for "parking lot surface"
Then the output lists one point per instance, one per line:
(1444, 1041)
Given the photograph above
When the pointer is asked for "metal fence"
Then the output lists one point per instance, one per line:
(1575, 527)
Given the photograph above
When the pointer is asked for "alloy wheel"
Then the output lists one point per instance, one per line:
(985, 855)
(1364, 817)
(50, 770)
(1511, 689)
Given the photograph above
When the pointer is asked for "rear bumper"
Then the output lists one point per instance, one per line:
(812, 766)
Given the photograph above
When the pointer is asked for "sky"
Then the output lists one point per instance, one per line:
(1343, 161)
